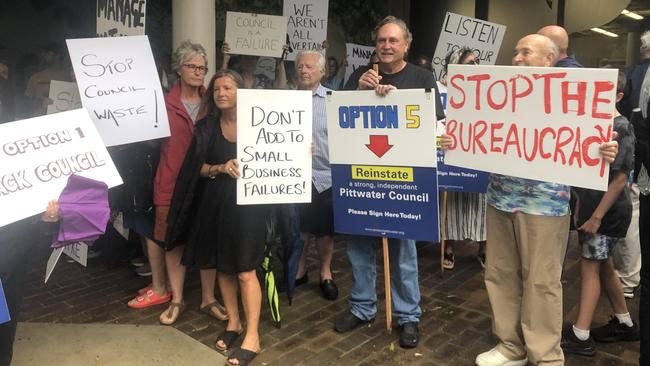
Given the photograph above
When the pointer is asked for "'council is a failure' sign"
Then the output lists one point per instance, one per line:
(538, 123)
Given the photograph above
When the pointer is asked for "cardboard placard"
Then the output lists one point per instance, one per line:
(121, 17)
(256, 34)
(306, 24)
(64, 95)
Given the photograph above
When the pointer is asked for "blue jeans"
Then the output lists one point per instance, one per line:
(405, 290)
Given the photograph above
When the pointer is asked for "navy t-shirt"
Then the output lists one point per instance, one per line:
(618, 218)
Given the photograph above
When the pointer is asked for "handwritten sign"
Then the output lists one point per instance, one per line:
(120, 17)
(256, 34)
(357, 56)
(77, 252)
(119, 86)
(531, 122)
(383, 156)
(483, 37)
(274, 138)
(64, 95)
(38, 155)
(307, 24)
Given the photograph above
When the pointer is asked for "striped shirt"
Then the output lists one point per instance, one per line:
(321, 172)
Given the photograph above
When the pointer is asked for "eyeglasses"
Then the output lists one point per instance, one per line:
(194, 68)
(473, 62)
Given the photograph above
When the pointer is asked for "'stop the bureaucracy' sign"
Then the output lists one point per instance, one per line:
(395, 130)
(537, 123)
(38, 155)
(119, 86)
(483, 37)
(256, 34)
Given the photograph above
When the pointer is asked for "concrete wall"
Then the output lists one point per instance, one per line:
(609, 50)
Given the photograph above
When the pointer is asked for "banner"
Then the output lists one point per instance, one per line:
(256, 34)
(383, 156)
(119, 87)
(357, 56)
(531, 122)
(64, 95)
(38, 155)
(306, 24)
(274, 137)
(120, 17)
(483, 37)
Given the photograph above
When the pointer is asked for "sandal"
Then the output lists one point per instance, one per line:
(228, 337)
(220, 314)
(243, 357)
(147, 299)
(448, 261)
(144, 290)
(169, 313)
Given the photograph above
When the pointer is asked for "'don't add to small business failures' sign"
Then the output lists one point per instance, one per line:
(383, 159)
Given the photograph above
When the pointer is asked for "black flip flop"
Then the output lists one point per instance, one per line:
(228, 338)
(244, 357)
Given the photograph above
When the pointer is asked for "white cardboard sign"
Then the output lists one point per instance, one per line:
(119, 87)
(64, 95)
(531, 122)
(274, 135)
(395, 130)
(78, 252)
(357, 56)
(121, 17)
(38, 155)
(255, 34)
(306, 24)
(483, 37)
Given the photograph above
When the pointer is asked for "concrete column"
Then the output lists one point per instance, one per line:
(632, 53)
(196, 20)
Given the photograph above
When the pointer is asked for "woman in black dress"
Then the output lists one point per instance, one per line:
(221, 234)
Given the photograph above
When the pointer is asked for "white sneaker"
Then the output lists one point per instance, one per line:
(495, 358)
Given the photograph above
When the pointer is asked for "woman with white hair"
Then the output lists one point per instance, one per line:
(189, 62)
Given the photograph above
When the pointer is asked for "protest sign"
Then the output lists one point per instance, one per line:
(77, 252)
(4, 309)
(52, 261)
(383, 156)
(357, 56)
(452, 178)
(531, 122)
(274, 138)
(483, 37)
(120, 17)
(119, 87)
(64, 95)
(306, 24)
(38, 155)
(256, 34)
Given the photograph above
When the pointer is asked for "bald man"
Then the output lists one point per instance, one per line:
(527, 226)
(560, 37)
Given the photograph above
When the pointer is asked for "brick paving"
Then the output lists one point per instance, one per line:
(455, 324)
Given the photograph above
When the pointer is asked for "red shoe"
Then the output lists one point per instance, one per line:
(146, 289)
(149, 299)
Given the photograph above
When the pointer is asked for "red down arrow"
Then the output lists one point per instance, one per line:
(379, 145)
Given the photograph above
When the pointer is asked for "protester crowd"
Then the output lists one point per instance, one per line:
(179, 197)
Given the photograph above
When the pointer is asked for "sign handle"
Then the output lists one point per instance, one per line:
(443, 233)
(389, 311)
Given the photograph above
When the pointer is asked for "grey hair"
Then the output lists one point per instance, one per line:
(645, 42)
(394, 20)
(321, 58)
(186, 51)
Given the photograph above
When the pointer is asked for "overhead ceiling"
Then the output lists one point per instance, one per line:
(623, 24)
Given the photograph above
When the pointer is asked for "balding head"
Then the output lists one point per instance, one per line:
(535, 50)
(558, 35)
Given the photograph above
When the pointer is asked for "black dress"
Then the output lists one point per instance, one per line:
(224, 235)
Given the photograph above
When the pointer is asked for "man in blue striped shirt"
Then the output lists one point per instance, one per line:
(317, 218)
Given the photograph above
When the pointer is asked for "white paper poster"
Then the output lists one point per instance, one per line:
(306, 24)
(274, 135)
(38, 155)
(121, 17)
(358, 55)
(119, 87)
(64, 95)
(256, 34)
(483, 37)
(531, 122)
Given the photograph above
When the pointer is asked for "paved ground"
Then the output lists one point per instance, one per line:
(455, 323)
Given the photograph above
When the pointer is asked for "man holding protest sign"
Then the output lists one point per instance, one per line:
(392, 41)
(317, 217)
(527, 227)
